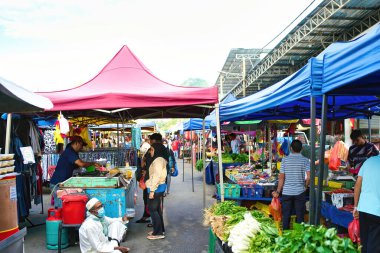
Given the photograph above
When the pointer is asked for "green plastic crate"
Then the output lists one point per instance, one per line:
(230, 190)
(211, 241)
(348, 184)
(90, 182)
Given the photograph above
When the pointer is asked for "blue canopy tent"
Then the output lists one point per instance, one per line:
(325, 85)
(195, 124)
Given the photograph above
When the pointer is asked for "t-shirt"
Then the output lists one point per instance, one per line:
(175, 145)
(358, 154)
(294, 167)
(235, 144)
(369, 201)
(65, 166)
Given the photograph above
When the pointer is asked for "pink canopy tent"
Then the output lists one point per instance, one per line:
(126, 85)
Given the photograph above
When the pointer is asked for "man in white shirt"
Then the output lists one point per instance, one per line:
(100, 233)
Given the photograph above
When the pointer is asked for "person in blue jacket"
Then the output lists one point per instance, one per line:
(68, 161)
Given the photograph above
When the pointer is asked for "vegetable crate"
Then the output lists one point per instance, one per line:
(230, 190)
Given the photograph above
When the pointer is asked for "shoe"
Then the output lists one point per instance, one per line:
(151, 233)
(155, 237)
(150, 225)
(142, 220)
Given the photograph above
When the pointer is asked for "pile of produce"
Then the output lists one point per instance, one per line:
(250, 231)
(244, 230)
(308, 238)
(232, 158)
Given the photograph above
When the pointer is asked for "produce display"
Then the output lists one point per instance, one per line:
(251, 231)
(243, 230)
(232, 158)
(307, 238)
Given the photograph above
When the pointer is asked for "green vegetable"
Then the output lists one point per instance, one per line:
(228, 208)
(199, 165)
(309, 238)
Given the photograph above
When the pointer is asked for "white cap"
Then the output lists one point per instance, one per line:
(90, 204)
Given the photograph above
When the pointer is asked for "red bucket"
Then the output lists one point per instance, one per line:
(74, 208)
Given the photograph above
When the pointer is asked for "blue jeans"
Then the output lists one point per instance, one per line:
(57, 201)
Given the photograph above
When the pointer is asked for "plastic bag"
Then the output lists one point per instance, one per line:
(334, 161)
(354, 231)
(275, 209)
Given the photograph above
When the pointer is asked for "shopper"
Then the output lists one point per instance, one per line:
(367, 204)
(99, 233)
(156, 187)
(175, 147)
(292, 183)
(68, 161)
(360, 151)
(235, 144)
(170, 166)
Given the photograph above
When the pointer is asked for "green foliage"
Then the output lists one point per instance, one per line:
(199, 165)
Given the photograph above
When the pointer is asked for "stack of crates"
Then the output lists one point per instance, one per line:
(230, 190)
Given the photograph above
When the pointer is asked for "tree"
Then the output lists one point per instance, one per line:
(195, 82)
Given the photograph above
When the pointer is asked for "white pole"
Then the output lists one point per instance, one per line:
(8, 133)
(249, 145)
(347, 132)
(204, 162)
(219, 139)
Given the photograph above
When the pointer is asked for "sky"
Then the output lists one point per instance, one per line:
(50, 45)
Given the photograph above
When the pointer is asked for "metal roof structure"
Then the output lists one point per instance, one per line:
(239, 60)
(330, 21)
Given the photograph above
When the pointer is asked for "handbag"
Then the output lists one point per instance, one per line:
(175, 172)
(142, 184)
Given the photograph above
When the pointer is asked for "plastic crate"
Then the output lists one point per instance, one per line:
(333, 184)
(259, 190)
(230, 190)
(348, 184)
(348, 200)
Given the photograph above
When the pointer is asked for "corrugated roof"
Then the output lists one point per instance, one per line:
(330, 21)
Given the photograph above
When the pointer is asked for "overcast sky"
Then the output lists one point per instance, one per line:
(53, 45)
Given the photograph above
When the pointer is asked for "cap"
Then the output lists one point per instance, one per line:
(90, 204)
(77, 138)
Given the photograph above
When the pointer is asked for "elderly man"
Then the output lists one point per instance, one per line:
(100, 233)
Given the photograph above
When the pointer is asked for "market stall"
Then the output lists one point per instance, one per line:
(13, 99)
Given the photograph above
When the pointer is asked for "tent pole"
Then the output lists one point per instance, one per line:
(220, 164)
(321, 159)
(312, 160)
(192, 161)
(204, 162)
(270, 146)
(8, 133)
(183, 159)
(249, 145)
(118, 135)
(369, 129)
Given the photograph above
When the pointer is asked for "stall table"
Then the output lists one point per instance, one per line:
(336, 216)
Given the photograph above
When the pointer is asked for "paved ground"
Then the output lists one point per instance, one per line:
(182, 216)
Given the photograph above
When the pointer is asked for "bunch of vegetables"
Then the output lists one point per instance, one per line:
(308, 238)
(228, 208)
(242, 233)
(199, 165)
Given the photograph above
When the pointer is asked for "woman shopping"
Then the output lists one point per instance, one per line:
(156, 187)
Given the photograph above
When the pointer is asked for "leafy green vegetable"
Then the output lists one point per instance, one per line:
(261, 243)
(308, 238)
(199, 165)
(228, 208)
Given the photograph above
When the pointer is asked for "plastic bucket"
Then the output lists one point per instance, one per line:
(8, 207)
(74, 208)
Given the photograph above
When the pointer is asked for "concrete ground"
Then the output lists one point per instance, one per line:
(182, 216)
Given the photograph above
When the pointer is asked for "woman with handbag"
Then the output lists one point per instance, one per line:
(156, 187)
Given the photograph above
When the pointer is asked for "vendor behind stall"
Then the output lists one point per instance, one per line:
(68, 161)
(360, 151)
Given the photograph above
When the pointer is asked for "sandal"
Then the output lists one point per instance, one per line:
(155, 237)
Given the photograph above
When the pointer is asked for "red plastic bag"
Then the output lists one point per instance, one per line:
(275, 209)
(354, 231)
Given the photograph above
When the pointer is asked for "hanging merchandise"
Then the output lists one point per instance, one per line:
(49, 142)
(57, 134)
(63, 124)
(136, 137)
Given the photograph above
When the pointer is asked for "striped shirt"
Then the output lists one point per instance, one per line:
(294, 167)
